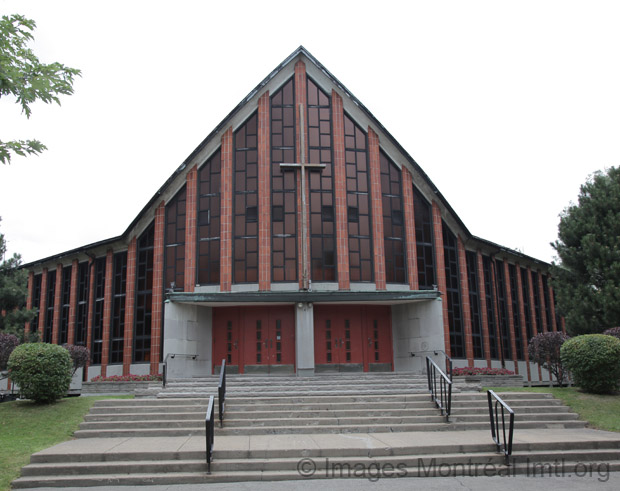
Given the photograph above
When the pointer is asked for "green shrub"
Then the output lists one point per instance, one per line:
(594, 361)
(42, 371)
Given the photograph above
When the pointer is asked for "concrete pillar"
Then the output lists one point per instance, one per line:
(304, 339)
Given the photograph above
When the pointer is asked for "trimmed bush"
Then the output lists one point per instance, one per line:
(594, 361)
(79, 356)
(544, 349)
(8, 342)
(42, 371)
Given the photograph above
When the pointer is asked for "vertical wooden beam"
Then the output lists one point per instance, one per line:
(157, 306)
(376, 201)
(130, 302)
(412, 256)
(301, 97)
(264, 195)
(226, 244)
(191, 217)
(340, 192)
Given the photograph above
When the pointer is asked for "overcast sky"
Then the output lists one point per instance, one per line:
(507, 106)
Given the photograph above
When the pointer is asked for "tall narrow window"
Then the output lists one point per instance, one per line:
(474, 303)
(503, 309)
(81, 313)
(209, 181)
(537, 306)
(516, 314)
(358, 202)
(49, 311)
(119, 287)
(245, 207)
(322, 222)
(424, 241)
(393, 221)
(453, 293)
(97, 334)
(489, 296)
(144, 296)
(65, 303)
(36, 301)
(526, 306)
(175, 242)
(283, 186)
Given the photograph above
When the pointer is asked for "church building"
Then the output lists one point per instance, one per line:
(298, 238)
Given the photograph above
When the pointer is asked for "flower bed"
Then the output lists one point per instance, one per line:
(481, 371)
(488, 377)
(119, 384)
(128, 378)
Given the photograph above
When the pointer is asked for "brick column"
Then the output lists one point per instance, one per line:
(483, 309)
(511, 321)
(226, 212)
(376, 201)
(441, 272)
(157, 308)
(29, 300)
(264, 195)
(191, 205)
(412, 262)
(107, 311)
(57, 304)
(301, 98)
(469, 342)
(498, 327)
(340, 187)
(543, 309)
(91, 303)
(533, 310)
(72, 302)
(554, 324)
(42, 303)
(130, 305)
(522, 320)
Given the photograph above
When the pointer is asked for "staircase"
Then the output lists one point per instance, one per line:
(281, 428)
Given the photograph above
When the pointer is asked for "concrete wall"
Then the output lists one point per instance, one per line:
(417, 328)
(188, 332)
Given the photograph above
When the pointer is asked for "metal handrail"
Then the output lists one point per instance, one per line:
(502, 446)
(209, 433)
(221, 392)
(165, 364)
(442, 396)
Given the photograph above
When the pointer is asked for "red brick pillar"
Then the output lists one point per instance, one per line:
(191, 205)
(498, 327)
(469, 342)
(72, 302)
(130, 303)
(483, 309)
(554, 324)
(522, 320)
(91, 303)
(264, 195)
(226, 212)
(42, 303)
(376, 201)
(157, 312)
(29, 300)
(301, 99)
(107, 311)
(543, 309)
(412, 263)
(57, 304)
(340, 186)
(511, 322)
(530, 284)
(441, 272)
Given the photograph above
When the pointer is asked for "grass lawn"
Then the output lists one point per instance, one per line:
(26, 428)
(600, 411)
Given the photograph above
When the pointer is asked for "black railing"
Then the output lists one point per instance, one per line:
(164, 374)
(209, 433)
(221, 392)
(505, 445)
(172, 356)
(440, 387)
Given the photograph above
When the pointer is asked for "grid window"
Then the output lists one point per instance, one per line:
(474, 303)
(97, 335)
(489, 295)
(209, 181)
(81, 313)
(175, 242)
(119, 292)
(527, 308)
(393, 223)
(49, 311)
(144, 296)
(503, 309)
(358, 202)
(453, 293)
(36, 302)
(283, 186)
(516, 314)
(65, 303)
(322, 225)
(424, 241)
(245, 184)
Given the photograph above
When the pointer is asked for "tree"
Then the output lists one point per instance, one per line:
(13, 294)
(24, 77)
(544, 349)
(587, 279)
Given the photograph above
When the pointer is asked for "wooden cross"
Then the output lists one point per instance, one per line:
(302, 165)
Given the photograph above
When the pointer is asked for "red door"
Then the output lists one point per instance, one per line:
(352, 338)
(226, 341)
